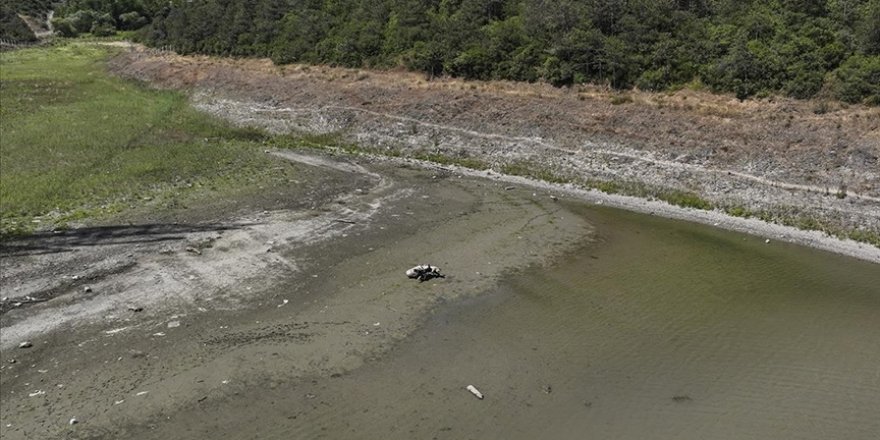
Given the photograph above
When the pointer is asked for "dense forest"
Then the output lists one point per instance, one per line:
(796, 47)
(799, 48)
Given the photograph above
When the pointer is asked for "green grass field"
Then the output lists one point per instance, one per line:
(77, 143)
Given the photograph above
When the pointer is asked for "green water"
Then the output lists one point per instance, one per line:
(657, 330)
(660, 330)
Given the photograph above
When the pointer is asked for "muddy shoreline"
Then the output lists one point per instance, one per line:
(779, 158)
(277, 297)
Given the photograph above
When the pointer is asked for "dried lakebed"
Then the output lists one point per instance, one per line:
(572, 319)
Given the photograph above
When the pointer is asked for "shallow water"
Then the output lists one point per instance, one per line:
(660, 330)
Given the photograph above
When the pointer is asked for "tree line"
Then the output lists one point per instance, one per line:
(799, 48)
(795, 47)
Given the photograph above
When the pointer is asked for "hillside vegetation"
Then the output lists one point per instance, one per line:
(800, 48)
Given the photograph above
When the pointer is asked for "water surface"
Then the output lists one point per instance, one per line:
(659, 330)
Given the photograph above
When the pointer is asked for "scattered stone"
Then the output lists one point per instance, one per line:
(87, 289)
(509, 188)
(135, 309)
(548, 389)
(767, 241)
(73, 421)
(25, 344)
(310, 396)
(475, 391)
(554, 198)
(682, 398)
(173, 324)
(12, 361)
(193, 250)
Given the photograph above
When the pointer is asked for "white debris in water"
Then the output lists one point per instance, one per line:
(141, 393)
(475, 391)
(115, 330)
(174, 324)
(37, 393)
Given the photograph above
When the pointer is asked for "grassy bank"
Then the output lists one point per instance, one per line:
(78, 143)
